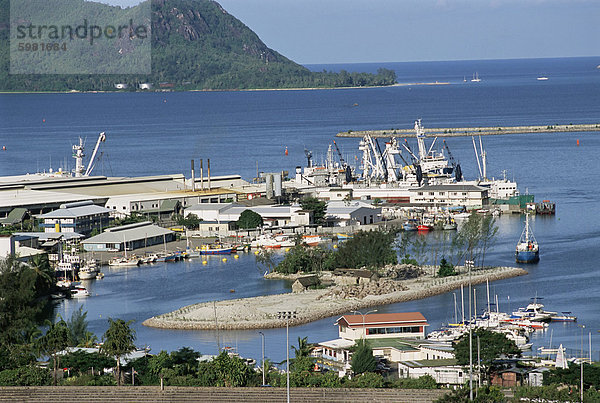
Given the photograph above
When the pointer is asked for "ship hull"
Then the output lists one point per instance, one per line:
(527, 256)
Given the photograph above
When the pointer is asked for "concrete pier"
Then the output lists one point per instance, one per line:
(475, 131)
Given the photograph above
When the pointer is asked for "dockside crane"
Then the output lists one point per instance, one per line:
(455, 165)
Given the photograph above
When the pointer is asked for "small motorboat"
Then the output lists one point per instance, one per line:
(79, 291)
(409, 226)
(564, 317)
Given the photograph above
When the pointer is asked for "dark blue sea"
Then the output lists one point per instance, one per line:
(242, 132)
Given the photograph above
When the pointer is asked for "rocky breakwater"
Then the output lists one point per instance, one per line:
(397, 283)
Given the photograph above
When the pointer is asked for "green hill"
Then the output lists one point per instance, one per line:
(195, 44)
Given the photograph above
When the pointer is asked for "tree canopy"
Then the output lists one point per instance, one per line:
(316, 206)
(118, 341)
(249, 219)
(492, 346)
(362, 358)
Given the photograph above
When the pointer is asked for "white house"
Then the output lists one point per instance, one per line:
(355, 212)
(470, 196)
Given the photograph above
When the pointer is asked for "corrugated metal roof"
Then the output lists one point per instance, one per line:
(131, 233)
(15, 216)
(76, 212)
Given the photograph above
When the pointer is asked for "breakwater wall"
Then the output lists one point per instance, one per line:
(261, 312)
(475, 131)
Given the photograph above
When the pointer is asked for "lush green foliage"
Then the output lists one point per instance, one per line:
(25, 376)
(118, 341)
(195, 45)
(371, 249)
(446, 269)
(302, 258)
(492, 346)
(249, 219)
(81, 362)
(485, 394)
(315, 205)
(556, 393)
(22, 287)
(362, 358)
(55, 340)
(366, 380)
(572, 376)
(191, 221)
(424, 382)
(303, 349)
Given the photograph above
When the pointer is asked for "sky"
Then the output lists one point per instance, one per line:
(363, 31)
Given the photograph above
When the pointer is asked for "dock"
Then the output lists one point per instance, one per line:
(474, 131)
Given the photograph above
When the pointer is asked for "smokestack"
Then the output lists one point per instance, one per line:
(208, 169)
(201, 176)
(193, 178)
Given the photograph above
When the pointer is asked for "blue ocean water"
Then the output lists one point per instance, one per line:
(158, 133)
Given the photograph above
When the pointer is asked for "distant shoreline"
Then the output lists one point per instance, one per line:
(312, 305)
(224, 90)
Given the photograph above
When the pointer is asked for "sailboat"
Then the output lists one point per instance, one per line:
(476, 78)
(527, 250)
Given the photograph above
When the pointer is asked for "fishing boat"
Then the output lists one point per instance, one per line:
(527, 250)
(424, 227)
(215, 249)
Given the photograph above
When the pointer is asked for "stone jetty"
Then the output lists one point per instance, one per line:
(474, 131)
(311, 305)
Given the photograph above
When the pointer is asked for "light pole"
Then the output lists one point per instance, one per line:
(287, 315)
(469, 264)
(364, 336)
(263, 357)
(581, 363)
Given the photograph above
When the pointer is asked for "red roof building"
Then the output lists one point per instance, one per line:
(382, 325)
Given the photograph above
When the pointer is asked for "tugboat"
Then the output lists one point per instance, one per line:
(528, 250)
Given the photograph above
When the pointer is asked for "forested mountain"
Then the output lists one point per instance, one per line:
(195, 44)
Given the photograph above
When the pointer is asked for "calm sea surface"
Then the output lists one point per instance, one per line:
(158, 133)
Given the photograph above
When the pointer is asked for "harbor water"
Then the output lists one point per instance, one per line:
(246, 132)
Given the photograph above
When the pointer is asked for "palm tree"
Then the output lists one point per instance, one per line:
(303, 349)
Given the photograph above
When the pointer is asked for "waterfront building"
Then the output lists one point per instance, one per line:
(80, 217)
(469, 196)
(409, 325)
(355, 212)
(128, 237)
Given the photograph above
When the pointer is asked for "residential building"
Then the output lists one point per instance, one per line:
(80, 217)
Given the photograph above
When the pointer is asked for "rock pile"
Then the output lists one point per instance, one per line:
(360, 291)
(401, 271)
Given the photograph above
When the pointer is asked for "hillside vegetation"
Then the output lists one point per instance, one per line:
(195, 44)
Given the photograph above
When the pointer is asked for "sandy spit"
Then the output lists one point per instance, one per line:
(261, 312)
